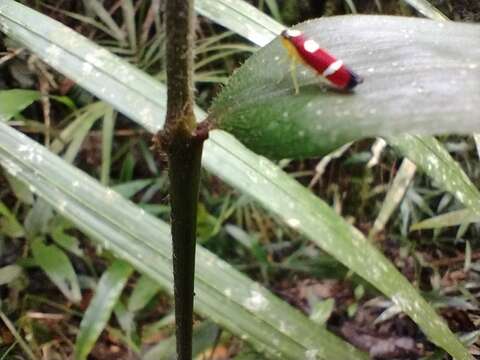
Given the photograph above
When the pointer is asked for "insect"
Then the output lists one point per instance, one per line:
(307, 51)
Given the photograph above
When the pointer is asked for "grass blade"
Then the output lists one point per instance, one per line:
(394, 196)
(144, 291)
(107, 140)
(108, 291)
(104, 15)
(23, 344)
(58, 268)
(432, 158)
(129, 16)
(453, 218)
(242, 18)
(426, 9)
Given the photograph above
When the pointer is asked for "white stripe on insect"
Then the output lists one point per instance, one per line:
(311, 46)
(333, 68)
(293, 33)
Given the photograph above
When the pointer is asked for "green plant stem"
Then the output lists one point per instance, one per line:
(183, 145)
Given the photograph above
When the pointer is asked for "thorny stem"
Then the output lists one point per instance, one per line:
(183, 142)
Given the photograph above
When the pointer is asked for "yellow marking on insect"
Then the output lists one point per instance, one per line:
(292, 51)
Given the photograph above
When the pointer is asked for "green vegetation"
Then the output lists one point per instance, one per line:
(297, 259)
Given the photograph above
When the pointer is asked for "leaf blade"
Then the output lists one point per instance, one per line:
(58, 268)
(259, 108)
(108, 291)
(427, 9)
(14, 101)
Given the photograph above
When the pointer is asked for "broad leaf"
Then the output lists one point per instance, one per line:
(420, 76)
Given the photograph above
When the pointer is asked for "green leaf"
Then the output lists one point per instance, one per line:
(38, 217)
(20, 190)
(242, 18)
(107, 140)
(83, 120)
(453, 218)
(125, 319)
(394, 196)
(66, 241)
(259, 108)
(108, 291)
(9, 224)
(144, 291)
(58, 268)
(163, 324)
(97, 7)
(432, 158)
(9, 273)
(14, 101)
(129, 16)
(81, 131)
(321, 311)
(130, 188)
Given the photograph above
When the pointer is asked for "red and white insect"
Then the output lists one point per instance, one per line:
(308, 51)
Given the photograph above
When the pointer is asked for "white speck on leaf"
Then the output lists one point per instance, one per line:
(311, 354)
(293, 222)
(256, 301)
